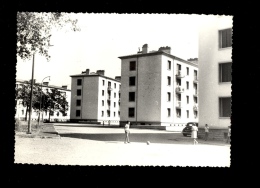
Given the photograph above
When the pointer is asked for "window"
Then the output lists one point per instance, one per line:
(195, 100)
(187, 99)
(132, 65)
(119, 113)
(187, 85)
(178, 67)
(132, 81)
(79, 82)
(169, 96)
(77, 113)
(114, 114)
(103, 103)
(102, 113)
(103, 82)
(78, 102)
(225, 38)
(115, 95)
(131, 112)
(178, 82)
(114, 85)
(169, 112)
(187, 70)
(108, 113)
(195, 114)
(178, 95)
(225, 107)
(225, 72)
(103, 92)
(109, 84)
(131, 96)
(187, 113)
(178, 113)
(169, 65)
(114, 104)
(169, 80)
(22, 112)
(78, 92)
(58, 114)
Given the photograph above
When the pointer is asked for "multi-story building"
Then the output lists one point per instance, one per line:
(95, 98)
(55, 116)
(215, 51)
(158, 89)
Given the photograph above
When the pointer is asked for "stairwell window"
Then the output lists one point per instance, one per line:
(131, 112)
(132, 65)
(225, 38)
(169, 65)
(78, 102)
(79, 82)
(169, 80)
(224, 106)
(77, 113)
(78, 92)
(131, 96)
(225, 72)
(132, 81)
(169, 112)
(169, 96)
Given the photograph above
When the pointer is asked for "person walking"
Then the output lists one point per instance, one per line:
(194, 130)
(229, 134)
(206, 132)
(127, 132)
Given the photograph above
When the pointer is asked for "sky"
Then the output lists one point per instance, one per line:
(105, 37)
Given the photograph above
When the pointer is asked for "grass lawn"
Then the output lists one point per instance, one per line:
(22, 126)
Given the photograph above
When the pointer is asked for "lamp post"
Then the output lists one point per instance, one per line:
(41, 99)
(30, 108)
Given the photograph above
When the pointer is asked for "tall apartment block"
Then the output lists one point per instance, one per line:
(215, 50)
(95, 98)
(158, 89)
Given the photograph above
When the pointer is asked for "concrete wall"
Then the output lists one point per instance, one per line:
(209, 58)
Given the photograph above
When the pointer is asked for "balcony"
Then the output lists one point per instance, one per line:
(108, 98)
(179, 89)
(195, 107)
(119, 100)
(195, 94)
(109, 88)
(179, 74)
(178, 104)
(195, 79)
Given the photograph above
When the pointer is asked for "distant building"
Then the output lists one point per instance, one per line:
(158, 89)
(215, 62)
(56, 116)
(95, 98)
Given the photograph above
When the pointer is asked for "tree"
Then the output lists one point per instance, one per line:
(34, 31)
(23, 93)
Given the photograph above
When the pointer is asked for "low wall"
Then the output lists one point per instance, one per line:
(214, 134)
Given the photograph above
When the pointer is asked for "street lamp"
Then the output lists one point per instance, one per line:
(41, 99)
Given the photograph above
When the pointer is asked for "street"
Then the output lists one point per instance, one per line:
(89, 145)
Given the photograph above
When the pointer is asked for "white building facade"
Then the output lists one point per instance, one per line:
(95, 98)
(54, 117)
(158, 89)
(215, 62)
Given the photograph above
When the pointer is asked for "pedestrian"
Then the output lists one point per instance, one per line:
(127, 132)
(206, 132)
(229, 134)
(194, 130)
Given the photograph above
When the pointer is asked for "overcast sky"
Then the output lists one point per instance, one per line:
(105, 37)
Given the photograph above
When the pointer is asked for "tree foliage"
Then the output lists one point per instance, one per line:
(34, 31)
(52, 101)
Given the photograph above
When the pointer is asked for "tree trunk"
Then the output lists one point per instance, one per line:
(26, 112)
(49, 115)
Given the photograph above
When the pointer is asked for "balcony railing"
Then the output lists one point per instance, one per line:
(178, 104)
(108, 98)
(195, 107)
(179, 74)
(109, 88)
(196, 93)
(196, 78)
(179, 89)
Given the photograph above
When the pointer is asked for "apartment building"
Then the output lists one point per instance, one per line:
(158, 89)
(55, 116)
(215, 62)
(95, 98)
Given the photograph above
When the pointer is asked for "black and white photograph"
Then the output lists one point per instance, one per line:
(123, 89)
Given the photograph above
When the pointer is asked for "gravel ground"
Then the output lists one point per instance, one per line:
(80, 145)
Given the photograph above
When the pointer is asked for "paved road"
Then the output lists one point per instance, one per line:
(88, 145)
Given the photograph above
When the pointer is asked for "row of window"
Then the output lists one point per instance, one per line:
(78, 112)
(103, 93)
(78, 103)
(79, 83)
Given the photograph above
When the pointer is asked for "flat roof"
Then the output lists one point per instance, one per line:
(94, 75)
(158, 53)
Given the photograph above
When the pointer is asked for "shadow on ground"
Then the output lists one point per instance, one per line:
(89, 125)
(162, 138)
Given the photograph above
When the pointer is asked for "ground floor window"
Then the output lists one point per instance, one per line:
(178, 113)
(131, 112)
(224, 106)
(77, 113)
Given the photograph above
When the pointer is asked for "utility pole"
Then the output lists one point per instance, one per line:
(30, 109)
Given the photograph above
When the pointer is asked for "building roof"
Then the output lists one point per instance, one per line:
(94, 75)
(158, 53)
(49, 86)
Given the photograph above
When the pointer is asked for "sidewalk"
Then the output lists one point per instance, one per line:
(46, 131)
